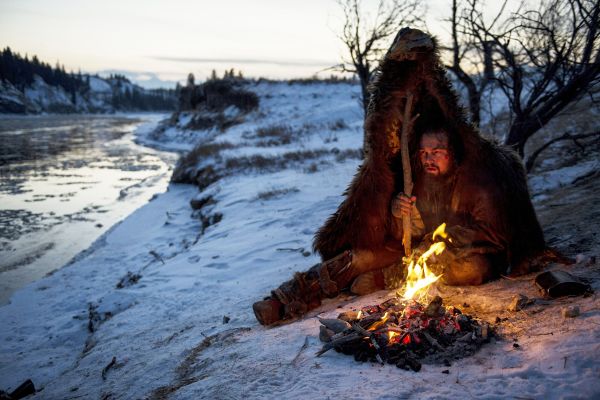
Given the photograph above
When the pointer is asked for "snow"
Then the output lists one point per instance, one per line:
(100, 85)
(561, 177)
(44, 96)
(167, 331)
(11, 100)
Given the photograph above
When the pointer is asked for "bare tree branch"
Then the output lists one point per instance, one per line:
(566, 136)
(542, 59)
(367, 36)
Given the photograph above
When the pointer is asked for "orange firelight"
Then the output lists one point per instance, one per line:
(377, 324)
(419, 277)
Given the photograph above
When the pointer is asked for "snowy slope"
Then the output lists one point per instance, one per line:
(41, 97)
(167, 332)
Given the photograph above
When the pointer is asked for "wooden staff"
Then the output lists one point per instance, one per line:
(407, 124)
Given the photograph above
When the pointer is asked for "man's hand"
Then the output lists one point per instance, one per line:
(402, 205)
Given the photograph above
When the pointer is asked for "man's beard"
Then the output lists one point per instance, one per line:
(436, 183)
(435, 197)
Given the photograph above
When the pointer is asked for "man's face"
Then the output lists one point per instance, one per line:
(434, 155)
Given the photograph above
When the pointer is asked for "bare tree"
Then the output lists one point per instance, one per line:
(367, 36)
(471, 56)
(541, 59)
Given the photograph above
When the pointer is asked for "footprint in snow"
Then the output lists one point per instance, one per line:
(193, 259)
(217, 265)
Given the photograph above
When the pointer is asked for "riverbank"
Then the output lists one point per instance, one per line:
(65, 180)
(160, 306)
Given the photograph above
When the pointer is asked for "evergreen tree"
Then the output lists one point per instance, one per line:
(190, 80)
(21, 71)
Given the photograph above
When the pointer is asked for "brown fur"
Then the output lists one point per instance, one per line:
(363, 219)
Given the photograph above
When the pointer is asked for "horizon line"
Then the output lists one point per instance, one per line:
(298, 63)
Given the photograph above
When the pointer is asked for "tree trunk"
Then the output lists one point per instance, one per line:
(520, 131)
(473, 93)
(364, 76)
(474, 105)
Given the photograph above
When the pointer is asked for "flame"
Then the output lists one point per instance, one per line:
(419, 277)
(440, 231)
(393, 336)
(378, 324)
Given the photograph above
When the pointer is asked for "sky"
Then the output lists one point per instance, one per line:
(157, 43)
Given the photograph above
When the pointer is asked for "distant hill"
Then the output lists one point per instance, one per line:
(30, 86)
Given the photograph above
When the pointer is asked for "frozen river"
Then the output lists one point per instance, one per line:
(65, 180)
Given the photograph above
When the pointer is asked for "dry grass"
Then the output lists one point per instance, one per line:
(275, 135)
(271, 164)
(186, 168)
(348, 154)
(275, 193)
(338, 125)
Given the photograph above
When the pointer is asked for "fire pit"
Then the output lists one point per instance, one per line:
(405, 333)
(407, 329)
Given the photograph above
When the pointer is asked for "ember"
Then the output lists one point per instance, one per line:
(403, 332)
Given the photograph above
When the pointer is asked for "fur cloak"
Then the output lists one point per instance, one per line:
(363, 219)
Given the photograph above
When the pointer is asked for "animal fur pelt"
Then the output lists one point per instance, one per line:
(363, 219)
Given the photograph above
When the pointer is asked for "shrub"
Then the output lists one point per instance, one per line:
(185, 170)
(222, 93)
(332, 79)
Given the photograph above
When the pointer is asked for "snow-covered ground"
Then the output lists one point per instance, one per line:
(171, 305)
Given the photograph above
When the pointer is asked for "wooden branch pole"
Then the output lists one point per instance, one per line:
(407, 124)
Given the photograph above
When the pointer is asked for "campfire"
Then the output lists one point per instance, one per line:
(407, 328)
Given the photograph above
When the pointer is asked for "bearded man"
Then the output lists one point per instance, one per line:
(476, 249)
(476, 241)
(477, 187)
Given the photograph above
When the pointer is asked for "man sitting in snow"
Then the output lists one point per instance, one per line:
(477, 244)
(478, 188)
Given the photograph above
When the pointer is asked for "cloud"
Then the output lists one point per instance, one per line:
(285, 63)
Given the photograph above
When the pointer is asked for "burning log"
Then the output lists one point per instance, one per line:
(350, 316)
(345, 340)
(403, 332)
(325, 334)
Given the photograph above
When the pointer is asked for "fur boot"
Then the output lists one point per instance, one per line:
(305, 290)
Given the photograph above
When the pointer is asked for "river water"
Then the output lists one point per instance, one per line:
(65, 180)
